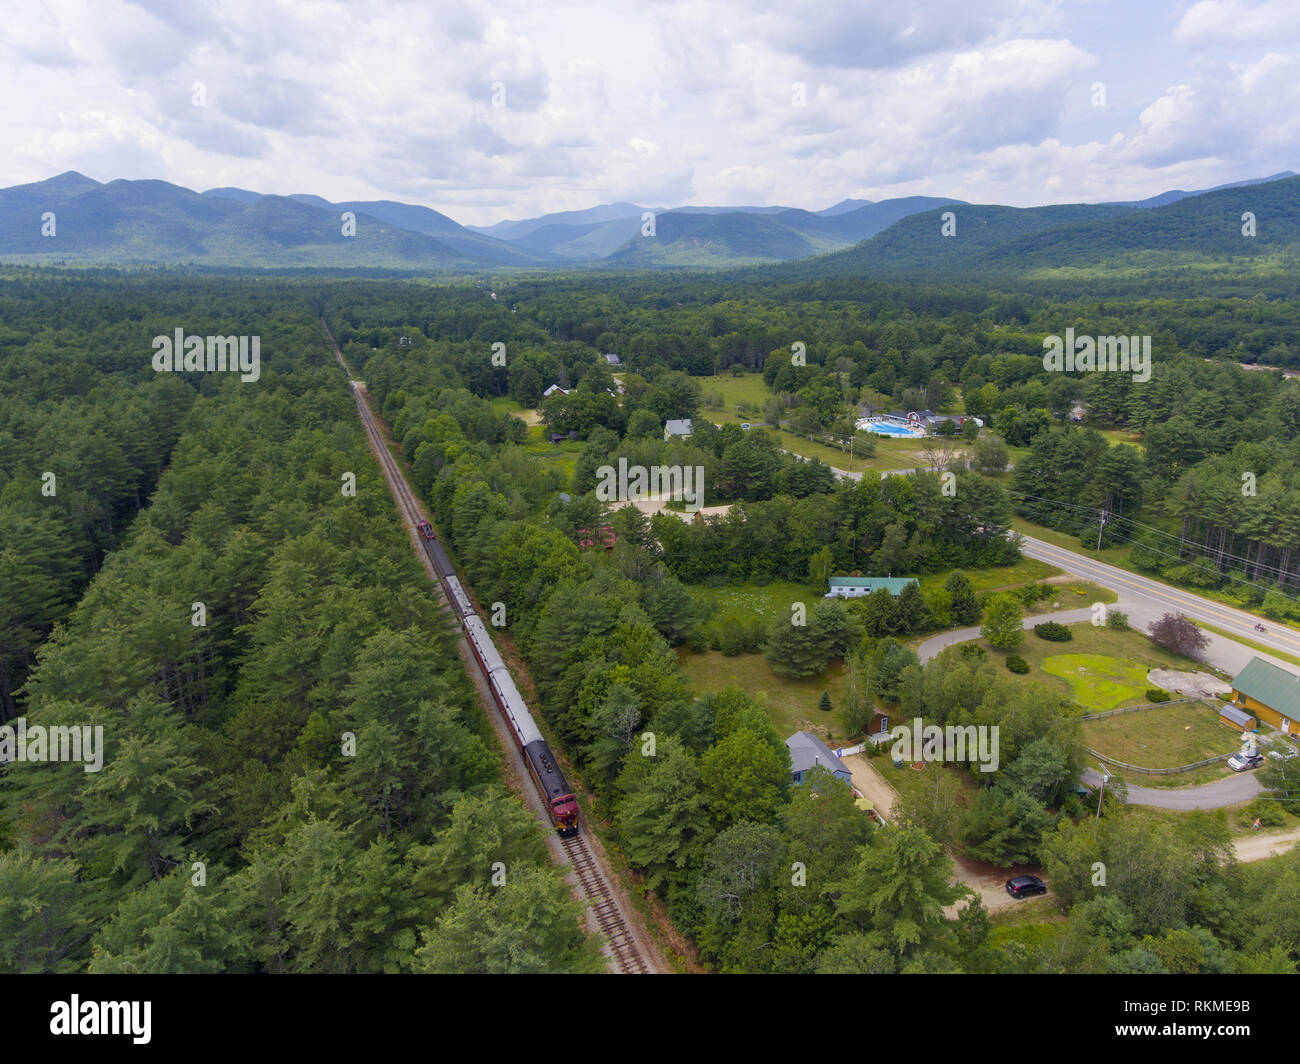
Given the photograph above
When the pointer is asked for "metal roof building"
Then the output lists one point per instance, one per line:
(1270, 693)
(808, 752)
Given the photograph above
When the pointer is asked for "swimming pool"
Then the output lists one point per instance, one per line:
(889, 428)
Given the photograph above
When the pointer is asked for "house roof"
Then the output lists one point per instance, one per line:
(679, 427)
(893, 584)
(807, 751)
(1274, 687)
(613, 360)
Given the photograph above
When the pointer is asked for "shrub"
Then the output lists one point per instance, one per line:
(1053, 632)
(1270, 814)
(1158, 694)
(733, 638)
(824, 704)
(1017, 664)
(1116, 619)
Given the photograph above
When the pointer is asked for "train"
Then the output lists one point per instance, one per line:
(561, 805)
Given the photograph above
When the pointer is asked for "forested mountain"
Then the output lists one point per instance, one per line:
(1193, 230)
(152, 222)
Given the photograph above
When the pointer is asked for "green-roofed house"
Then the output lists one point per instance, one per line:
(1270, 693)
(857, 586)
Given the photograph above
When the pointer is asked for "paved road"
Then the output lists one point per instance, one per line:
(1145, 600)
(936, 643)
(1241, 787)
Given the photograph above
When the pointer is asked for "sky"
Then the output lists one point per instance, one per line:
(514, 108)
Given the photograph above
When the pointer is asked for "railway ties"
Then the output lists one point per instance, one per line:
(609, 917)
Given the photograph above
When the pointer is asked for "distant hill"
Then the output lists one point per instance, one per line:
(606, 212)
(1174, 195)
(713, 240)
(1204, 226)
(687, 238)
(153, 222)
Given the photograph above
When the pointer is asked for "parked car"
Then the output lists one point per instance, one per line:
(1242, 762)
(1025, 886)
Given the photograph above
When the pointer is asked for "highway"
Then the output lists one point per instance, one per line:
(1146, 600)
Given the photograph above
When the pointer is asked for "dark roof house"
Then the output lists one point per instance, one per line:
(808, 752)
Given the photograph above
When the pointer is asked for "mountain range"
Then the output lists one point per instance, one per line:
(72, 219)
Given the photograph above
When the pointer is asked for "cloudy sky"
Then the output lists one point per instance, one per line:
(511, 108)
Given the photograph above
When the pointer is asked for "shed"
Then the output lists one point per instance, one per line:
(808, 752)
(1236, 717)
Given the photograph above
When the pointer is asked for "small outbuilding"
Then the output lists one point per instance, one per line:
(678, 427)
(1238, 718)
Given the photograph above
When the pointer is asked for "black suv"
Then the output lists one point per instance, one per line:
(1025, 886)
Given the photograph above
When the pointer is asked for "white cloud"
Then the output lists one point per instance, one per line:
(661, 102)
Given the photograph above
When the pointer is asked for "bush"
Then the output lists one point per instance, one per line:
(1053, 632)
(1116, 619)
(1270, 814)
(732, 639)
(1158, 694)
(1017, 664)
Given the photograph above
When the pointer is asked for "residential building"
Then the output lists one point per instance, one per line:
(808, 752)
(1270, 693)
(857, 586)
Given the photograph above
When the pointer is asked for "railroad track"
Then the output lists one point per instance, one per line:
(623, 949)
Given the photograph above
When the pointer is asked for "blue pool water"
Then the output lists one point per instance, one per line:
(888, 428)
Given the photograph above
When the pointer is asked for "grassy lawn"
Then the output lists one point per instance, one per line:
(1114, 665)
(1162, 738)
(792, 704)
(1003, 576)
(765, 602)
(1097, 681)
(750, 389)
(504, 404)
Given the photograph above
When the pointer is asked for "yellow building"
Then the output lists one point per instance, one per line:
(1270, 693)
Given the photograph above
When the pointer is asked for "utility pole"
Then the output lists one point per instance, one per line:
(1101, 528)
(1102, 793)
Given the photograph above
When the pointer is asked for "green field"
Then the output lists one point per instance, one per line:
(1097, 681)
(792, 704)
(765, 602)
(995, 579)
(1114, 665)
(1163, 738)
(750, 389)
